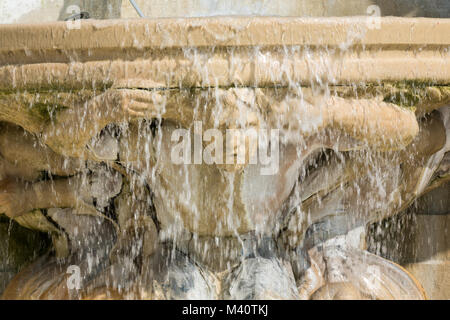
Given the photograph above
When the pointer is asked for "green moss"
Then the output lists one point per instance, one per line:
(53, 88)
(406, 94)
(45, 111)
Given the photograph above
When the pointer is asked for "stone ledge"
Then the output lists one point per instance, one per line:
(225, 31)
(256, 52)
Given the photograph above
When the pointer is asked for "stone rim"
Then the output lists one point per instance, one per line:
(128, 53)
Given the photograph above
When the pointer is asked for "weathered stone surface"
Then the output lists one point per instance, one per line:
(420, 240)
(96, 9)
(162, 67)
(51, 10)
(87, 140)
(261, 279)
(362, 275)
(308, 8)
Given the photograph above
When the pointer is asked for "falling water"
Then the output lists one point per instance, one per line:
(134, 163)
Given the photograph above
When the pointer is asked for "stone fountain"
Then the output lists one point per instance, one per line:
(130, 143)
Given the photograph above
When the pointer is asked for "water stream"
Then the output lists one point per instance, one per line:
(216, 171)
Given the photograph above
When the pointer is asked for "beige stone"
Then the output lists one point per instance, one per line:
(178, 68)
(349, 273)
(114, 92)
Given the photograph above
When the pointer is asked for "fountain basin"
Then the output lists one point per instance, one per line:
(155, 53)
(366, 84)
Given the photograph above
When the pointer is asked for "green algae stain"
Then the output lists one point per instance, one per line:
(45, 111)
